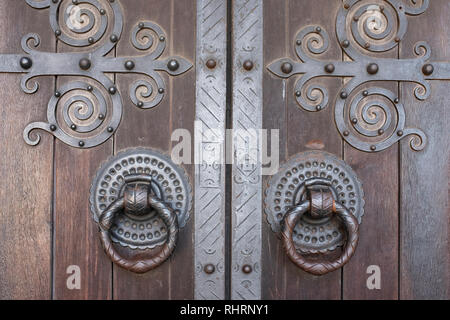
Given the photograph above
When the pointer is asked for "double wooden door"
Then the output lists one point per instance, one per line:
(242, 149)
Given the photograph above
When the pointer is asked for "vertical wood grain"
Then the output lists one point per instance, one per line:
(378, 240)
(153, 128)
(273, 283)
(26, 188)
(425, 214)
(312, 130)
(76, 240)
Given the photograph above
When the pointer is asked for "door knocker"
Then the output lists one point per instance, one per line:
(140, 199)
(315, 204)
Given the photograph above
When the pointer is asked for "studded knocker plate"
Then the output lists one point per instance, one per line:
(141, 191)
(321, 178)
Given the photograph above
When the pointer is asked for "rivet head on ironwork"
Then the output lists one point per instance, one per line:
(91, 40)
(57, 94)
(110, 129)
(140, 104)
(298, 42)
(162, 38)
(58, 33)
(209, 268)
(329, 68)
(318, 29)
(81, 143)
(73, 127)
(247, 268)
(85, 63)
(129, 65)
(55, 1)
(343, 95)
(319, 107)
(428, 69)
(380, 132)
(372, 68)
(173, 65)
(52, 127)
(396, 100)
(101, 116)
(248, 65)
(397, 39)
(400, 133)
(346, 133)
(211, 63)
(354, 121)
(298, 93)
(373, 148)
(345, 43)
(114, 38)
(26, 63)
(161, 90)
(112, 90)
(102, 12)
(286, 67)
(346, 6)
(355, 18)
(75, 2)
(367, 45)
(365, 93)
(89, 88)
(141, 25)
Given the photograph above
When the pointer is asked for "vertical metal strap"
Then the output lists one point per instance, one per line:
(247, 120)
(210, 149)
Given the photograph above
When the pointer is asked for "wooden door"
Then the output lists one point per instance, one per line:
(121, 180)
(389, 61)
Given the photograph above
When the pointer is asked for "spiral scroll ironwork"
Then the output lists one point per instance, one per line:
(86, 113)
(370, 119)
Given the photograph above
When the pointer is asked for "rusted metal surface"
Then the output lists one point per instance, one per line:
(139, 198)
(293, 184)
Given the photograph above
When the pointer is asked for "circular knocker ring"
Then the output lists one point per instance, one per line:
(136, 201)
(293, 216)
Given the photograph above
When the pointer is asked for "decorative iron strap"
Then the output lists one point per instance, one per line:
(247, 120)
(86, 113)
(209, 144)
(369, 119)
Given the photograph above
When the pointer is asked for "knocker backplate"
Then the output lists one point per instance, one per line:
(169, 183)
(284, 190)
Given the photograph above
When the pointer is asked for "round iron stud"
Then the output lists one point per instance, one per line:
(26, 63)
(211, 63)
(286, 67)
(173, 65)
(372, 68)
(428, 69)
(248, 65)
(84, 64)
(247, 269)
(129, 65)
(209, 268)
(329, 68)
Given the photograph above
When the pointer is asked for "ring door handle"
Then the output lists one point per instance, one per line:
(315, 204)
(293, 216)
(137, 198)
(140, 199)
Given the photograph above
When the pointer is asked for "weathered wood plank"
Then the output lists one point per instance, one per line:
(425, 215)
(26, 189)
(312, 130)
(153, 128)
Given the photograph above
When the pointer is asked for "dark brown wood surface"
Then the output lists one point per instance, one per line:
(153, 128)
(424, 212)
(378, 242)
(299, 131)
(26, 211)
